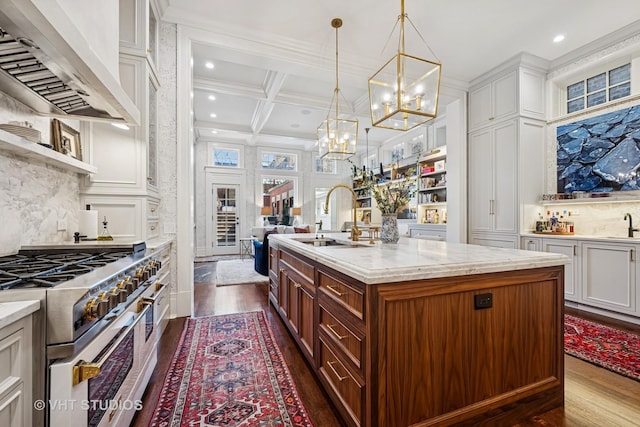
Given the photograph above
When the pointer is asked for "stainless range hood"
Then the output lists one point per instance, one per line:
(39, 68)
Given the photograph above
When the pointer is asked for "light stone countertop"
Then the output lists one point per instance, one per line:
(13, 311)
(601, 239)
(414, 259)
(152, 244)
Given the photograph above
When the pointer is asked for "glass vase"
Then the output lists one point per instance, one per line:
(389, 231)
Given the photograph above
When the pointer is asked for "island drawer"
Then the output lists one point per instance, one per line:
(347, 295)
(348, 392)
(342, 337)
(303, 268)
(273, 260)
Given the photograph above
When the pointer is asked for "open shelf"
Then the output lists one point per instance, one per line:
(20, 146)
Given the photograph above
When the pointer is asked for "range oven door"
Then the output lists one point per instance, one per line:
(99, 386)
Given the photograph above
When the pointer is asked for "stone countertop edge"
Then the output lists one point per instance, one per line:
(415, 259)
(13, 311)
(153, 244)
(618, 239)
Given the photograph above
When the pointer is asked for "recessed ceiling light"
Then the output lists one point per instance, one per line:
(213, 115)
(209, 65)
(214, 131)
(212, 97)
(558, 38)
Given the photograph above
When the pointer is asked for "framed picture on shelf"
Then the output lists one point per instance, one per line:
(66, 140)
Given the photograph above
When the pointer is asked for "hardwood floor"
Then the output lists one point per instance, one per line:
(594, 397)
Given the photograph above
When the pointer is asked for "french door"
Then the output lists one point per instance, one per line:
(224, 216)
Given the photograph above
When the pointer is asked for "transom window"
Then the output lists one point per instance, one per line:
(600, 88)
(227, 157)
(279, 161)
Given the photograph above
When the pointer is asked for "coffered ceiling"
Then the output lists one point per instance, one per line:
(274, 61)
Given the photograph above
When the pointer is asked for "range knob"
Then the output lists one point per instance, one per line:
(118, 295)
(137, 277)
(145, 274)
(129, 286)
(104, 303)
(95, 308)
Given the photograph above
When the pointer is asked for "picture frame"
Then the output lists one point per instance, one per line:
(66, 140)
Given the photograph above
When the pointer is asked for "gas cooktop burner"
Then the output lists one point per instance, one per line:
(46, 269)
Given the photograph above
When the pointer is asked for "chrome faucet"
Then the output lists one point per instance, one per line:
(355, 231)
(631, 229)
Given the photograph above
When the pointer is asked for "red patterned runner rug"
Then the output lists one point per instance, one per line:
(228, 371)
(610, 348)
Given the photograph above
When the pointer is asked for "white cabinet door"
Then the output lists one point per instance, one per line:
(531, 244)
(493, 179)
(505, 170)
(570, 249)
(609, 276)
(480, 180)
(480, 106)
(493, 101)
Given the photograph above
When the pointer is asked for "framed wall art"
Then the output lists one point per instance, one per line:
(66, 139)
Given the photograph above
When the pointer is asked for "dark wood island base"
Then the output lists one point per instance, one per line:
(479, 349)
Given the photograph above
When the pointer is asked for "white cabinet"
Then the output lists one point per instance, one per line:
(15, 373)
(562, 246)
(517, 91)
(531, 244)
(139, 29)
(125, 187)
(493, 101)
(571, 277)
(493, 180)
(609, 273)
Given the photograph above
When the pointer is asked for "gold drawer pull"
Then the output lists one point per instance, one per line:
(336, 372)
(297, 285)
(153, 228)
(340, 337)
(335, 291)
(153, 210)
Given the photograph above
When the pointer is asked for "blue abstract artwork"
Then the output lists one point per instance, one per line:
(600, 154)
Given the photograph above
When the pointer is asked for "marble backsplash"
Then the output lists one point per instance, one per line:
(602, 219)
(33, 195)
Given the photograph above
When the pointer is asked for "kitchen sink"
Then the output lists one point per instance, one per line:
(328, 242)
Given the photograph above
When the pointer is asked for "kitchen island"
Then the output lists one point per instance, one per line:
(424, 332)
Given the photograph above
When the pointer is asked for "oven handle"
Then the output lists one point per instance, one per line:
(86, 370)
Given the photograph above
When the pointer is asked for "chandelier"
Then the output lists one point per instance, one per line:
(404, 92)
(337, 136)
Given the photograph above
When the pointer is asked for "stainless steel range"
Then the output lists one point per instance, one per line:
(94, 338)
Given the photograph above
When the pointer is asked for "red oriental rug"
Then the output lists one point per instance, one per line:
(610, 348)
(228, 371)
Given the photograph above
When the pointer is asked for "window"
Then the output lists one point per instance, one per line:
(599, 89)
(226, 157)
(279, 161)
(325, 165)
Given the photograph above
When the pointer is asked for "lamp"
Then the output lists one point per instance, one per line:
(404, 92)
(337, 137)
(265, 211)
(296, 212)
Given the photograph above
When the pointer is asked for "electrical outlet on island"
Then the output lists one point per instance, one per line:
(62, 224)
